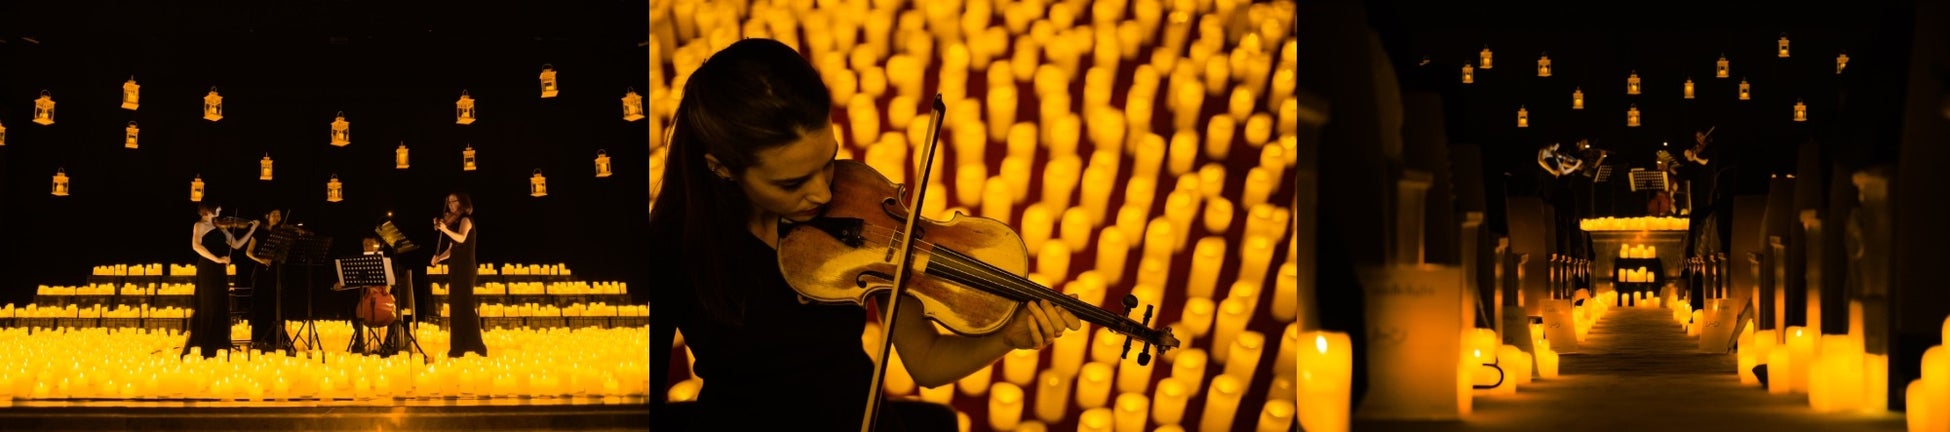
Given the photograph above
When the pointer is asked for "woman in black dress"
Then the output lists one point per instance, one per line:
(463, 322)
(210, 319)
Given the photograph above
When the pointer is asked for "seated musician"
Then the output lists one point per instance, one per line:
(381, 309)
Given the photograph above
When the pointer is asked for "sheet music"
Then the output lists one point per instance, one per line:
(364, 270)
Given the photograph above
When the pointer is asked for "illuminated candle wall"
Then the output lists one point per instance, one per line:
(1132, 134)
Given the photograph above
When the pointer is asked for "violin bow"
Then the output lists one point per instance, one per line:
(906, 258)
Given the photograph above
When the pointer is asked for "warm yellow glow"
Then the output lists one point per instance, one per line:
(1689, 87)
(1782, 50)
(537, 184)
(1468, 74)
(1544, 65)
(1577, 98)
(1486, 64)
(1720, 67)
(1746, 92)
(213, 106)
(1800, 111)
(60, 182)
(1632, 83)
(1523, 117)
(131, 95)
(129, 135)
(44, 109)
(1632, 116)
(334, 190)
(264, 167)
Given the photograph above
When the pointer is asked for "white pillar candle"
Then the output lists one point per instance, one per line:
(1093, 385)
(1005, 406)
(1098, 83)
(1052, 396)
(1243, 355)
(1234, 313)
(1158, 235)
(1286, 291)
(936, 202)
(1133, 411)
(1197, 315)
(1283, 83)
(1286, 361)
(1178, 28)
(1106, 346)
(879, 25)
(1002, 111)
(1131, 221)
(1015, 174)
(1139, 193)
(1021, 65)
(1067, 356)
(865, 116)
(1131, 376)
(1207, 257)
(1221, 403)
(1249, 292)
(1169, 400)
(943, 394)
(1147, 14)
(1065, 129)
(1097, 420)
(1781, 363)
(976, 383)
(1259, 220)
(1183, 152)
(1277, 416)
(1112, 249)
(994, 41)
(685, 14)
(1108, 131)
(1049, 79)
(970, 177)
(1188, 367)
(1240, 106)
(1259, 186)
(1096, 189)
(1187, 99)
(1148, 155)
(970, 140)
(1254, 258)
(1801, 348)
(1036, 226)
(1054, 260)
(1180, 206)
(1259, 131)
(996, 200)
(1019, 366)
(1076, 229)
(1218, 215)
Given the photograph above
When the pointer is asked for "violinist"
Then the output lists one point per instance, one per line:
(752, 152)
(264, 291)
(209, 327)
(456, 227)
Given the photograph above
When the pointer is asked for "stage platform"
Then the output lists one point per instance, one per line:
(581, 414)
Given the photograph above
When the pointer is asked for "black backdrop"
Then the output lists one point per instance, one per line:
(284, 70)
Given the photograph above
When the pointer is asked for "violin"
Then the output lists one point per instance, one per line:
(231, 222)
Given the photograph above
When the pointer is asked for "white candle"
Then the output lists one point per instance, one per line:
(865, 116)
(1187, 99)
(1221, 403)
(1066, 357)
(1133, 411)
(1065, 131)
(1139, 193)
(1096, 420)
(1026, 57)
(1240, 105)
(1076, 229)
(1188, 367)
(943, 394)
(996, 200)
(1005, 406)
(1131, 376)
(1211, 179)
(976, 383)
(1093, 385)
(1106, 346)
(1112, 251)
(1019, 366)
(1801, 348)
(1048, 79)
(1169, 400)
(1148, 155)
(970, 141)
(1054, 260)
(1036, 226)
(1178, 27)
(1002, 110)
(1052, 396)
(1277, 416)
(1132, 221)
(1060, 181)
(1153, 271)
(1015, 174)
(1260, 183)
(1197, 315)
(1218, 215)
(1183, 152)
(1096, 188)
(1179, 208)
(1286, 291)
(1779, 369)
(1244, 354)
(1234, 313)
(969, 180)
(1130, 36)
(1207, 257)
(1254, 257)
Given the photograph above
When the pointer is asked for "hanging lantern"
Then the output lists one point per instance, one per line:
(60, 182)
(1841, 62)
(1632, 84)
(196, 189)
(538, 185)
(3, 135)
(1632, 116)
(1544, 65)
(1720, 70)
(548, 81)
(264, 168)
(1745, 91)
(632, 105)
(464, 109)
(466, 158)
(212, 106)
(1782, 51)
(129, 134)
(1469, 74)
(399, 156)
(1486, 58)
(1523, 117)
(44, 109)
(131, 94)
(1800, 111)
(602, 164)
(1577, 98)
(1689, 87)
(341, 131)
(334, 191)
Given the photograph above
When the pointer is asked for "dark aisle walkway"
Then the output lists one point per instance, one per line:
(1639, 372)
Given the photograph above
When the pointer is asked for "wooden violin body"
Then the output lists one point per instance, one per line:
(838, 272)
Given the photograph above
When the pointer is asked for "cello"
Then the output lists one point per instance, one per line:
(968, 273)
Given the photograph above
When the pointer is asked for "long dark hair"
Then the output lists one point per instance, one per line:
(756, 94)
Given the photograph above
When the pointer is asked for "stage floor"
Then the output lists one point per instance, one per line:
(613, 413)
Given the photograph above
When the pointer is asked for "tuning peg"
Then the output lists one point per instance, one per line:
(1130, 302)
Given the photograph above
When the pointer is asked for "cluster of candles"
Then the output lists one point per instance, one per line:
(1638, 251)
(92, 311)
(1584, 317)
(487, 269)
(1645, 299)
(582, 365)
(1838, 375)
(1928, 396)
(1645, 223)
(598, 309)
(153, 270)
(541, 288)
(102, 289)
(1638, 275)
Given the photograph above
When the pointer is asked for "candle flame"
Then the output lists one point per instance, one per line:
(1320, 343)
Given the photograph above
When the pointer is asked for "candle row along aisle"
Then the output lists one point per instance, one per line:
(595, 365)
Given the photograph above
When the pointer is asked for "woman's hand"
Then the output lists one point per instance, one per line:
(1038, 324)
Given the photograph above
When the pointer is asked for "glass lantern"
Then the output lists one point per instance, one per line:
(44, 109)
(548, 81)
(1781, 49)
(1632, 83)
(3, 135)
(1486, 59)
(264, 168)
(196, 189)
(399, 156)
(467, 158)
(1544, 66)
(1632, 116)
(1469, 74)
(1577, 98)
(341, 131)
(129, 134)
(602, 164)
(464, 109)
(1841, 62)
(1720, 68)
(334, 190)
(1800, 111)
(1746, 92)
(213, 106)
(60, 182)
(538, 185)
(632, 105)
(1689, 87)
(131, 95)
(1523, 117)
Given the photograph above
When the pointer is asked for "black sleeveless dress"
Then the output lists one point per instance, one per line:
(463, 321)
(209, 325)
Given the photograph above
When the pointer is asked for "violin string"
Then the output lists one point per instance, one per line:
(893, 236)
(975, 269)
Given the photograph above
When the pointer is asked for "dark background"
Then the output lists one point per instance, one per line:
(284, 70)
(1854, 115)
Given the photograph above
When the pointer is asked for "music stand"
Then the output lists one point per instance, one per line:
(308, 251)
